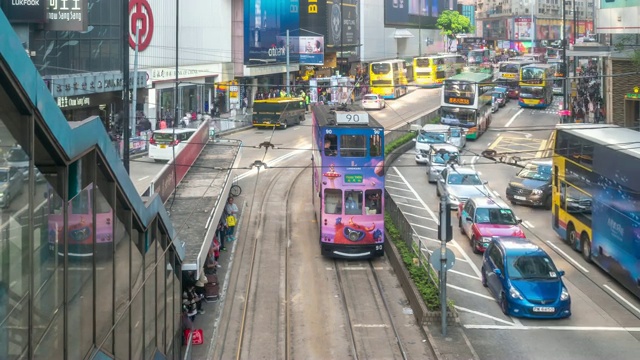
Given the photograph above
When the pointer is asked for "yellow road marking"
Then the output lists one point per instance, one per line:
(496, 142)
(541, 150)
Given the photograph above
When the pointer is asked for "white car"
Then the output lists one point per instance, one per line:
(373, 102)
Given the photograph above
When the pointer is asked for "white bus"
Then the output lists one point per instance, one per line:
(163, 143)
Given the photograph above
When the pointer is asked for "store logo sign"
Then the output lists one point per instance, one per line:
(140, 14)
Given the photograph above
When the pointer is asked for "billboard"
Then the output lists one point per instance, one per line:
(25, 11)
(415, 13)
(548, 29)
(264, 22)
(313, 17)
(522, 28)
(343, 23)
(309, 50)
(610, 4)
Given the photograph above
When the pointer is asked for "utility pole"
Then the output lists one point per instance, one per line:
(125, 85)
(287, 55)
(420, 30)
(341, 37)
(445, 224)
(565, 103)
(533, 28)
(132, 122)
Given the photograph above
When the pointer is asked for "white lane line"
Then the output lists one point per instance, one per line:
(474, 160)
(513, 118)
(482, 314)
(564, 254)
(430, 239)
(622, 298)
(495, 193)
(557, 328)
(370, 325)
(395, 188)
(409, 205)
(466, 257)
(386, 181)
(528, 224)
(398, 176)
(417, 216)
(142, 178)
(471, 292)
(422, 226)
(433, 216)
(353, 268)
(516, 321)
(463, 274)
(404, 197)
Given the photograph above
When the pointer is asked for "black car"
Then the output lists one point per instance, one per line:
(532, 185)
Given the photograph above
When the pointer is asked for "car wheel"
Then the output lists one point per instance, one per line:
(586, 247)
(504, 305)
(473, 245)
(484, 277)
(547, 202)
(571, 236)
(285, 125)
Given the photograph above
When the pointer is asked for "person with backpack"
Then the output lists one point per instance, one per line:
(231, 210)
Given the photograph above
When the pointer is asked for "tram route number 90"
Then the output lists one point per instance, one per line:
(352, 118)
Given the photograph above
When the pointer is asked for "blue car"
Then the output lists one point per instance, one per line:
(524, 280)
(504, 90)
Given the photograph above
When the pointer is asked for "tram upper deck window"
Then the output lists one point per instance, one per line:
(353, 146)
(375, 147)
(330, 145)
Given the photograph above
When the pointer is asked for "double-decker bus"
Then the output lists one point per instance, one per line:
(432, 70)
(479, 56)
(536, 86)
(466, 102)
(508, 75)
(559, 70)
(596, 197)
(348, 182)
(466, 43)
(388, 78)
(278, 112)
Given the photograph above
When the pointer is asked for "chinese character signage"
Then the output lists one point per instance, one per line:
(92, 83)
(264, 22)
(67, 15)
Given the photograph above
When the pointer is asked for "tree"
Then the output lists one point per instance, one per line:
(628, 44)
(452, 23)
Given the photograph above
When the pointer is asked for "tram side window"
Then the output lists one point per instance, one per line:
(353, 202)
(353, 146)
(333, 201)
(375, 146)
(374, 201)
(330, 145)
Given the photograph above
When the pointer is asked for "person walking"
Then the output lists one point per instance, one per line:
(307, 101)
(231, 210)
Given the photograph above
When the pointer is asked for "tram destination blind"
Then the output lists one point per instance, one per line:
(352, 118)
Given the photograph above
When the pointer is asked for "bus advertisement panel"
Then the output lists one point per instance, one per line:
(432, 70)
(466, 102)
(388, 78)
(596, 201)
(348, 166)
(536, 86)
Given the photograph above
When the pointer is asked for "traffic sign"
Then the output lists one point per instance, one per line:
(436, 259)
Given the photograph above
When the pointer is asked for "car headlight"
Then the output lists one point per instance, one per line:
(564, 295)
(1, 195)
(515, 294)
(536, 192)
(453, 197)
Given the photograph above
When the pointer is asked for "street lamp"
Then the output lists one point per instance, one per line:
(533, 27)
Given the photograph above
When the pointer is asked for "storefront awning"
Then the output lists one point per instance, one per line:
(402, 34)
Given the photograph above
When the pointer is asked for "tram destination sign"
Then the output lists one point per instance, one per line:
(353, 178)
(352, 118)
(458, 100)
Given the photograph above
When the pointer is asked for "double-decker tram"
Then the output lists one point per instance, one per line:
(466, 102)
(596, 197)
(536, 86)
(433, 69)
(388, 78)
(348, 182)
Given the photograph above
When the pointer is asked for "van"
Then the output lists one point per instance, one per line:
(430, 134)
(163, 143)
(439, 157)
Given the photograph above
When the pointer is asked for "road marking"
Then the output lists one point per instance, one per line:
(429, 239)
(418, 198)
(370, 325)
(142, 178)
(464, 254)
(565, 255)
(395, 188)
(471, 292)
(409, 205)
(496, 142)
(541, 150)
(558, 328)
(527, 224)
(353, 268)
(269, 163)
(422, 226)
(513, 118)
(417, 216)
(463, 274)
(404, 197)
(496, 193)
(622, 298)
(392, 181)
(481, 314)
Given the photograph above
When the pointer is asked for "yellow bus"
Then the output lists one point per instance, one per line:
(388, 78)
(536, 86)
(596, 197)
(278, 112)
(432, 70)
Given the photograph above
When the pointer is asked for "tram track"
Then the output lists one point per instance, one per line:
(367, 329)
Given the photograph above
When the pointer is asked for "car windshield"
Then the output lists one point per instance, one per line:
(463, 179)
(16, 155)
(370, 97)
(531, 267)
(431, 138)
(447, 157)
(536, 172)
(4, 176)
(495, 216)
(455, 132)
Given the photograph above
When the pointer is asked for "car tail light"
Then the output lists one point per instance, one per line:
(174, 143)
(152, 141)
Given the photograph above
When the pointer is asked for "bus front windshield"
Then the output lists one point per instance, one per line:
(531, 92)
(458, 116)
(532, 74)
(422, 62)
(476, 57)
(459, 89)
(380, 68)
(509, 68)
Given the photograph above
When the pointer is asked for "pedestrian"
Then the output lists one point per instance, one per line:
(307, 101)
(245, 104)
(221, 234)
(231, 210)
(200, 284)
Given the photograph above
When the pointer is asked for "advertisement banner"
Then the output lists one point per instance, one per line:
(522, 28)
(343, 23)
(309, 50)
(548, 29)
(313, 14)
(264, 21)
(24, 11)
(415, 12)
(67, 15)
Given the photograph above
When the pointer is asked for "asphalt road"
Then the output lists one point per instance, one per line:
(606, 318)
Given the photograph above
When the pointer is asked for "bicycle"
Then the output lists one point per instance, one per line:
(235, 190)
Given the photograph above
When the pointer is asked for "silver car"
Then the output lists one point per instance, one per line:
(459, 184)
(11, 181)
(439, 156)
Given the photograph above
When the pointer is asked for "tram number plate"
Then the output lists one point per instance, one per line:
(544, 309)
(519, 197)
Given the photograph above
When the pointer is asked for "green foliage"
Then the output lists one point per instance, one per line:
(419, 275)
(398, 142)
(435, 120)
(626, 43)
(452, 23)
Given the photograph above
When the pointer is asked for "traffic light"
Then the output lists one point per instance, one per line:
(445, 223)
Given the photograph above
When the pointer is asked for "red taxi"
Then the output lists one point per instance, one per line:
(482, 218)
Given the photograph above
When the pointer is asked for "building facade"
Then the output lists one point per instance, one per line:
(88, 269)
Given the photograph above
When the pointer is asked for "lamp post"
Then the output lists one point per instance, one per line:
(533, 27)
(565, 100)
